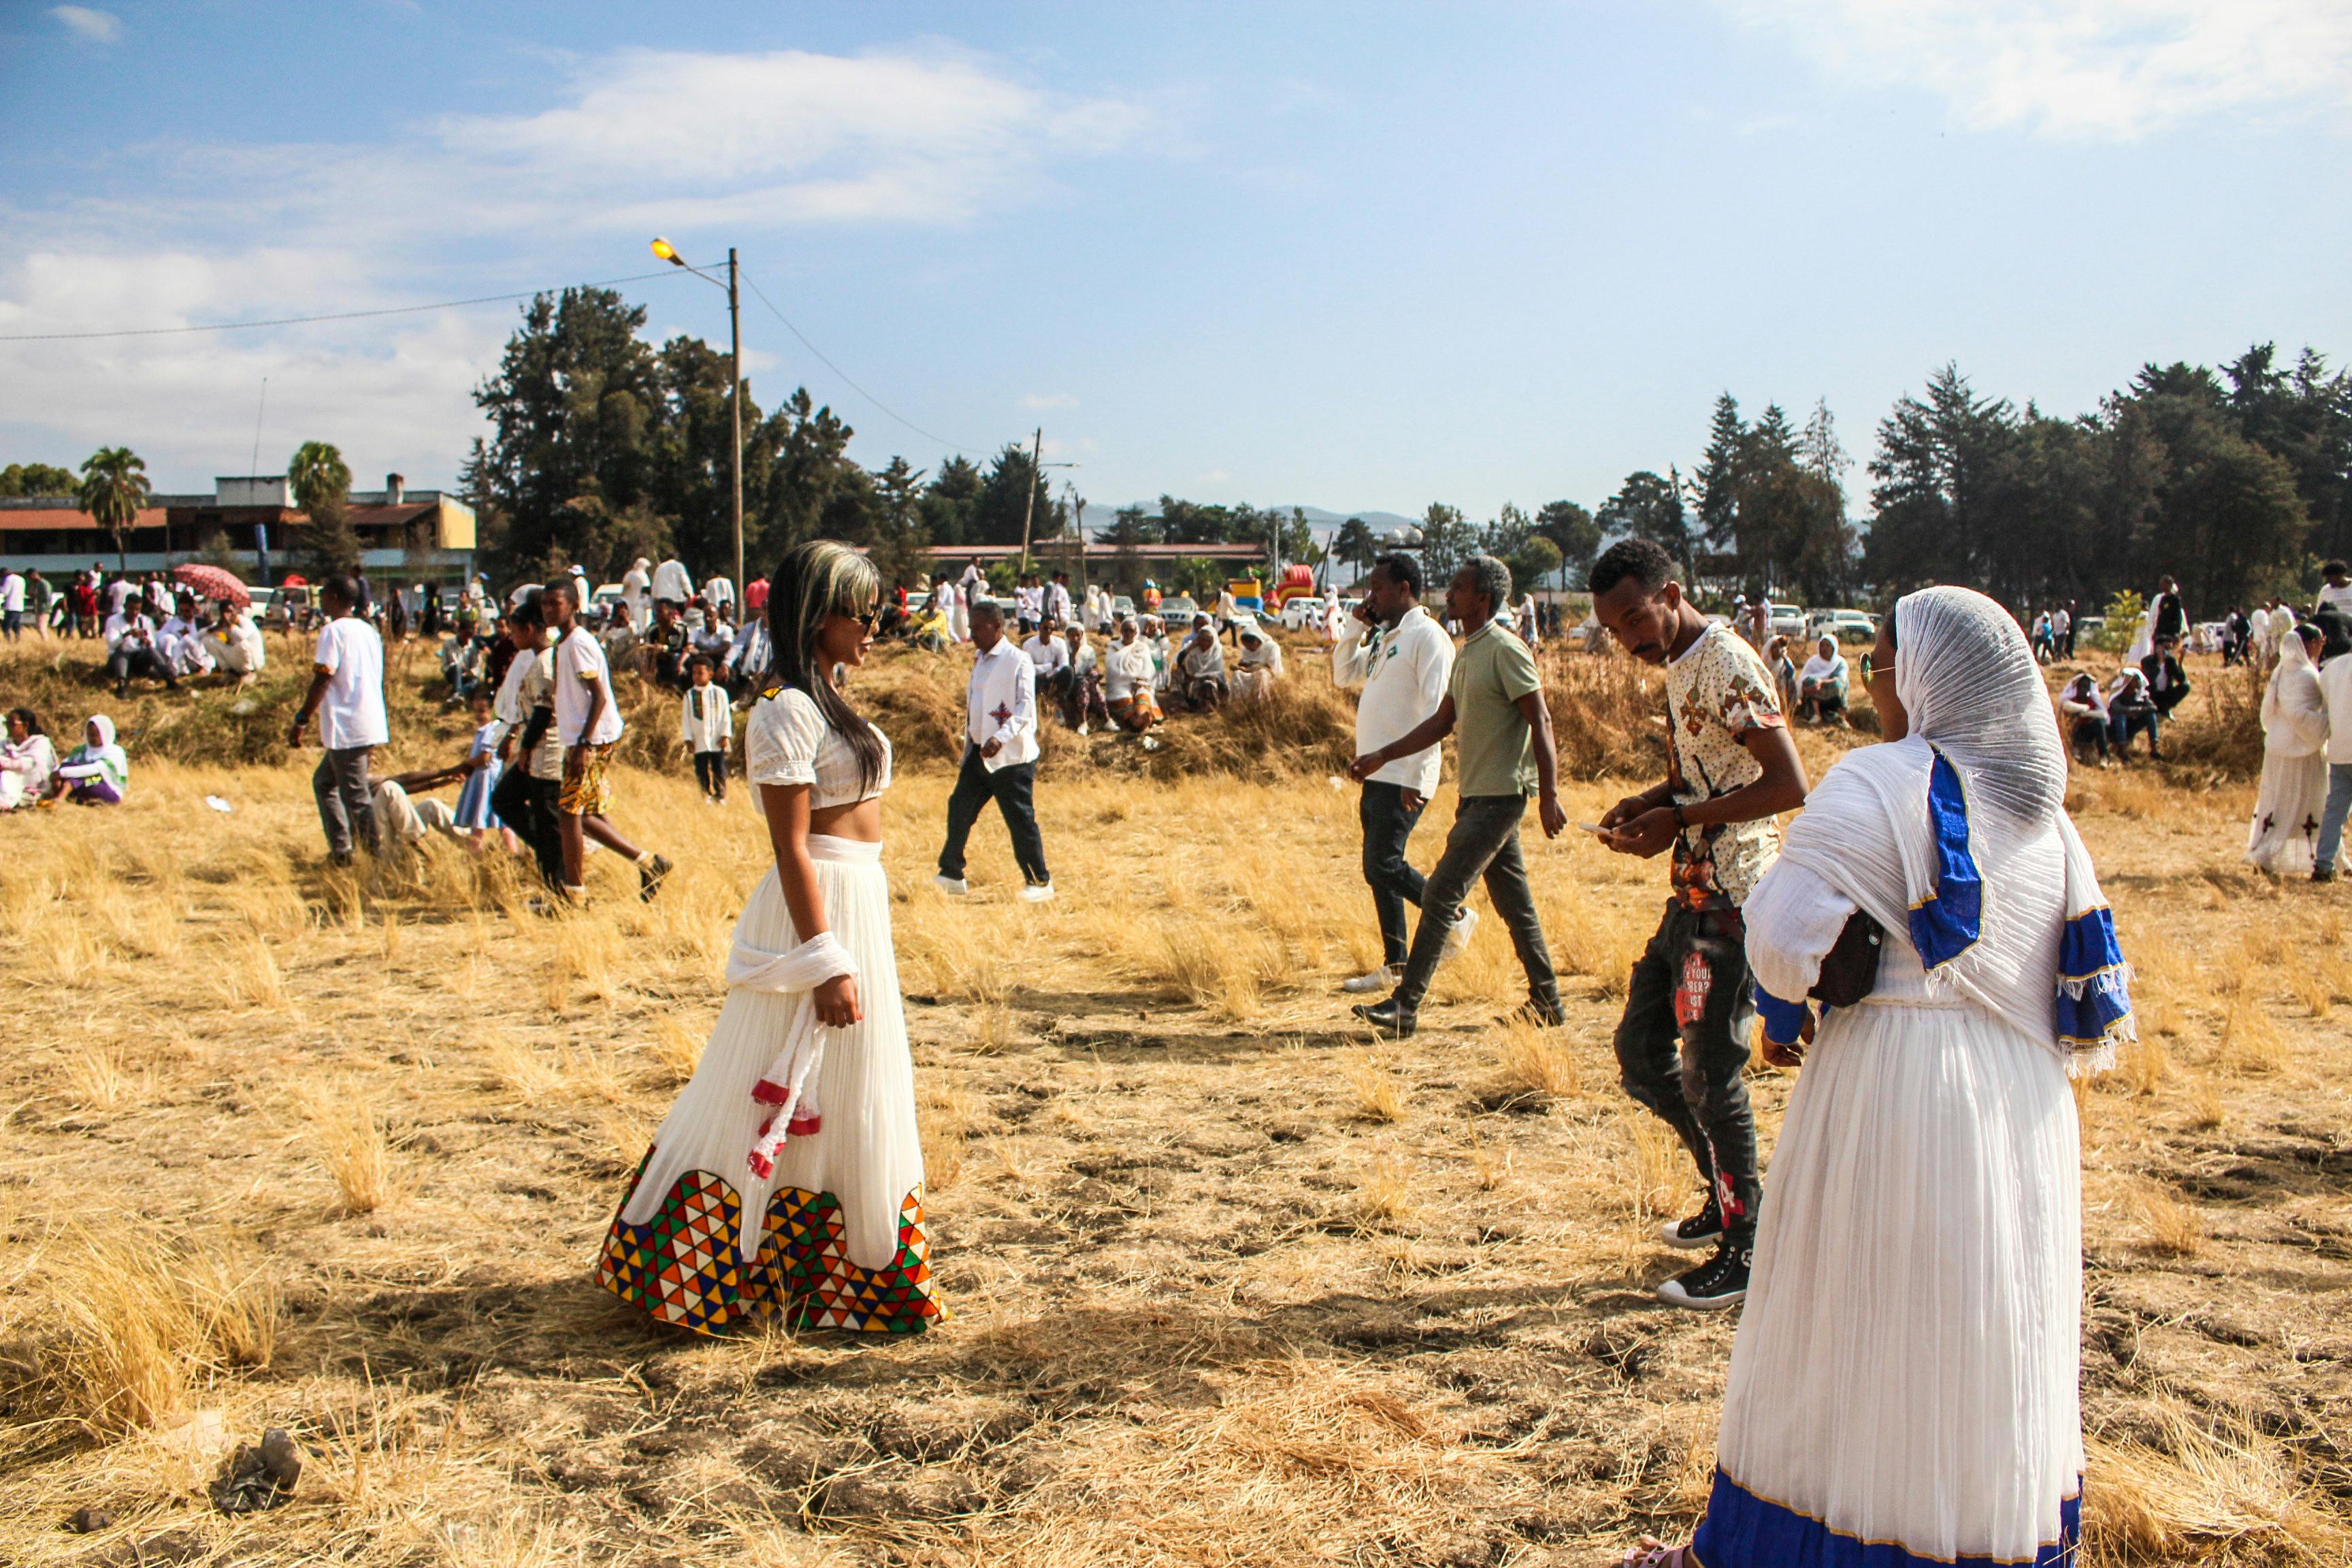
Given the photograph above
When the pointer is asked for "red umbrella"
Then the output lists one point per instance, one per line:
(212, 582)
(294, 580)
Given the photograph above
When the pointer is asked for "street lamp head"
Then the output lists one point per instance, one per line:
(669, 253)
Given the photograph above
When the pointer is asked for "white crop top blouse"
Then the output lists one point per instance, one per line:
(787, 742)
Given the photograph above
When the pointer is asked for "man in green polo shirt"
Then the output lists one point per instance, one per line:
(1495, 703)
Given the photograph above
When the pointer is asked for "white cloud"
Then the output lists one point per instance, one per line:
(2094, 69)
(641, 143)
(98, 27)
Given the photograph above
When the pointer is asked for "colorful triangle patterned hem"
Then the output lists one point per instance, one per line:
(685, 1266)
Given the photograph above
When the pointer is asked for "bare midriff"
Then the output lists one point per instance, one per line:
(861, 821)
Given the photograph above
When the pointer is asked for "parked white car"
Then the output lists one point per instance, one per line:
(1847, 625)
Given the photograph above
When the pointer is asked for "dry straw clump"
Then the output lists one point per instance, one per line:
(131, 1324)
(352, 1145)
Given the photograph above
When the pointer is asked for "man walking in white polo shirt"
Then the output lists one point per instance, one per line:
(1000, 756)
(1402, 659)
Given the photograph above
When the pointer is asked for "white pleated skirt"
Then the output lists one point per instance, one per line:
(833, 1233)
(2285, 837)
(1904, 1382)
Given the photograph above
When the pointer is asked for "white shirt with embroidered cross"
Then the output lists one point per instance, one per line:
(1002, 705)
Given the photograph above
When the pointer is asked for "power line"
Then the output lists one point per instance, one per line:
(957, 445)
(339, 316)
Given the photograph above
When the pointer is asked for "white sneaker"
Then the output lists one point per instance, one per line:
(1382, 979)
(947, 884)
(1037, 892)
(1459, 937)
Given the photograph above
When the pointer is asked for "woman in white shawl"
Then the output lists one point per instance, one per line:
(26, 761)
(2285, 832)
(1902, 1388)
(788, 1178)
(1821, 685)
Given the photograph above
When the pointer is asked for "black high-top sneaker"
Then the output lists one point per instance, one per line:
(1721, 1281)
(1704, 1228)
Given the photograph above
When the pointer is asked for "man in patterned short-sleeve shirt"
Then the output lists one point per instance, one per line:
(1731, 769)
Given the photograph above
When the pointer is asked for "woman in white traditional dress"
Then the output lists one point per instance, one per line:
(26, 761)
(2285, 837)
(788, 1178)
(1902, 1387)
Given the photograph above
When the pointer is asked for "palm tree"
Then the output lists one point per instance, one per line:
(320, 479)
(114, 487)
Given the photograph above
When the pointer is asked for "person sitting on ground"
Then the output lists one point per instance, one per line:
(1821, 685)
(1128, 679)
(1197, 680)
(1082, 698)
(132, 651)
(1154, 635)
(26, 761)
(671, 643)
(2085, 714)
(234, 645)
(2130, 709)
(1784, 672)
(620, 633)
(712, 638)
(2168, 683)
(96, 773)
(746, 665)
(180, 640)
(401, 821)
(1051, 656)
(1260, 665)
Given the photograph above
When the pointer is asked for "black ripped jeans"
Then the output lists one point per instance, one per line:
(1682, 1048)
(1394, 883)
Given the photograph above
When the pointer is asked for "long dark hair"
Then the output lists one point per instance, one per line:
(812, 581)
(32, 720)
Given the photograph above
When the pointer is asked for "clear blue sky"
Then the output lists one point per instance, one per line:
(1356, 257)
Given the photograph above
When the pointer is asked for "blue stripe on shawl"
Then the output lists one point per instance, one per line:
(2093, 987)
(1948, 921)
(1784, 1022)
(1744, 1530)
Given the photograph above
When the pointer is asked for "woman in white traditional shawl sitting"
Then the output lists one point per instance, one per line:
(788, 1178)
(1902, 1388)
(1821, 685)
(2285, 838)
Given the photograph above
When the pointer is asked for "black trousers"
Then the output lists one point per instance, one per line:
(1011, 789)
(1483, 843)
(1394, 882)
(710, 773)
(527, 805)
(1682, 1048)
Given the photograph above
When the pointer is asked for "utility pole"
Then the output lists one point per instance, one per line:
(735, 409)
(1038, 467)
(1029, 495)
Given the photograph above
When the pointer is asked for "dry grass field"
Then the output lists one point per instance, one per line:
(1231, 1283)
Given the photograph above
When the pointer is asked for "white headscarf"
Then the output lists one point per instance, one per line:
(1928, 835)
(2294, 710)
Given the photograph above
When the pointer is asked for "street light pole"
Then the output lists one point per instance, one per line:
(668, 252)
(1029, 496)
(735, 408)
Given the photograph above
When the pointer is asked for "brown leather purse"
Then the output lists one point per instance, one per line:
(1850, 968)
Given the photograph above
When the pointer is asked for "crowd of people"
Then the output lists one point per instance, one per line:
(1928, 940)
(1932, 906)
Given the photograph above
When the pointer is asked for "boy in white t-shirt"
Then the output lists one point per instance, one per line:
(587, 722)
(347, 694)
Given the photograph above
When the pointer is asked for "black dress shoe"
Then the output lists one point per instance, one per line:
(1387, 1017)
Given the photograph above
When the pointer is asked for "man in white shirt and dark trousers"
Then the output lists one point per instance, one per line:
(588, 722)
(347, 693)
(999, 757)
(1402, 659)
(2336, 686)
